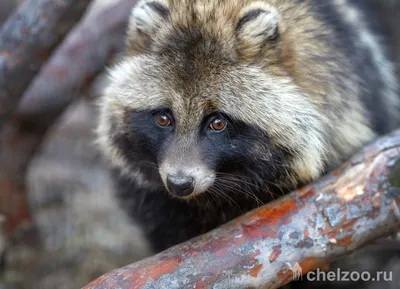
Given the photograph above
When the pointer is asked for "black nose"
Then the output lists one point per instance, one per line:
(180, 186)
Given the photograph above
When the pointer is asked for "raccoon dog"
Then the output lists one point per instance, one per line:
(220, 106)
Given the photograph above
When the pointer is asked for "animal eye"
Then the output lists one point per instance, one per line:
(217, 124)
(163, 119)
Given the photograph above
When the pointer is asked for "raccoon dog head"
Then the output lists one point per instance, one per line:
(202, 102)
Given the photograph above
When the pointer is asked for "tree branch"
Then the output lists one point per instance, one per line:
(27, 39)
(71, 69)
(317, 224)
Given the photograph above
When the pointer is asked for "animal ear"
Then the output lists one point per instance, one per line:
(258, 26)
(147, 18)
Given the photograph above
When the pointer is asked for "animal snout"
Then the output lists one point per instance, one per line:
(180, 186)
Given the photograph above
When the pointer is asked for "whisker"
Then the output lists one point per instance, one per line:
(259, 181)
(226, 197)
(219, 196)
(240, 190)
(237, 181)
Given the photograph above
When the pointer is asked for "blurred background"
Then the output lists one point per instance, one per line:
(59, 224)
(74, 231)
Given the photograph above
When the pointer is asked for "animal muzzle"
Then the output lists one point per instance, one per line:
(180, 185)
(183, 170)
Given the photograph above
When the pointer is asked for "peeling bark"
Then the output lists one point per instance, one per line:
(343, 211)
(27, 39)
(71, 70)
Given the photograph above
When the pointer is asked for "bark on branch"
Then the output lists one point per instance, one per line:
(27, 39)
(357, 203)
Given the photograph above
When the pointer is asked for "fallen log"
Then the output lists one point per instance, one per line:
(268, 247)
(69, 72)
(27, 40)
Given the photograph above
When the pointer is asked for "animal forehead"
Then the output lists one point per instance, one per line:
(153, 82)
(195, 36)
(195, 79)
(190, 110)
(192, 60)
(240, 92)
